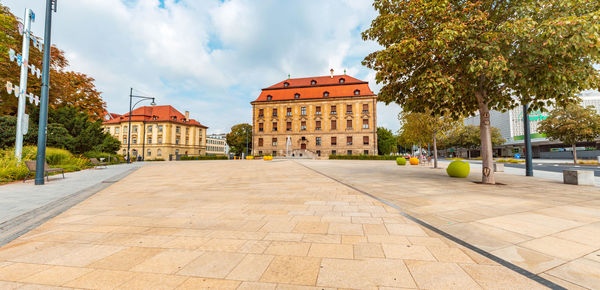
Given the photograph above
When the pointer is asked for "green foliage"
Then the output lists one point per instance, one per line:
(459, 169)
(155, 159)
(240, 135)
(571, 124)
(204, 157)
(401, 161)
(510, 161)
(363, 157)
(469, 137)
(114, 158)
(386, 141)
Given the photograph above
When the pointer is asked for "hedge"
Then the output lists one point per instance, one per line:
(363, 157)
(207, 157)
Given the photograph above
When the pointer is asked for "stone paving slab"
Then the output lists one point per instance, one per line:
(543, 226)
(245, 225)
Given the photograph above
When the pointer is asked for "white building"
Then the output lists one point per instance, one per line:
(510, 124)
(216, 145)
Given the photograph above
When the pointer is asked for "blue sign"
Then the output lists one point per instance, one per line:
(517, 156)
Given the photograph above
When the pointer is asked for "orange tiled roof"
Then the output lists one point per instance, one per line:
(308, 90)
(164, 113)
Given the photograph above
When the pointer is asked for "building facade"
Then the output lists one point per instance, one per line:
(157, 132)
(510, 124)
(315, 117)
(216, 145)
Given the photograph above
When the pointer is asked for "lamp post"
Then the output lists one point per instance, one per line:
(527, 138)
(143, 98)
(246, 142)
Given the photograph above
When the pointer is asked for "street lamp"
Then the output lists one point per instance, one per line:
(143, 98)
(246, 142)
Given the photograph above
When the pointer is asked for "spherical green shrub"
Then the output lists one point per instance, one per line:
(401, 161)
(458, 169)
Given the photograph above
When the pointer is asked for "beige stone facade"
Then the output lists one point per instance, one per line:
(157, 135)
(319, 120)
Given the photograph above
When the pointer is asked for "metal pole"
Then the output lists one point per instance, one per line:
(23, 85)
(527, 138)
(43, 124)
(246, 142)
(144, 142)
(129, 126)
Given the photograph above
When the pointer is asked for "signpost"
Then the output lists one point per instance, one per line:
(22, 90)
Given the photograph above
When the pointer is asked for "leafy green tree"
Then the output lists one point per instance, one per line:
(240, 135)
(109, 144)
(461, 57)
(571, 124)
(468, 137)
(386, 141)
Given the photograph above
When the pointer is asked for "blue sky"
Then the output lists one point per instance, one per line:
(210, 57)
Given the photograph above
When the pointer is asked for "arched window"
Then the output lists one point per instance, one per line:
(342, 80)
(286, 84)
(158, 152)
(149, 152)
(325, 94)
(357, 92)
(313, 82)
(296, 96)
(269, 97)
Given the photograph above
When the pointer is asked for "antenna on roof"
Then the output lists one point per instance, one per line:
(331, 71)
(344, 71)
(288, 76)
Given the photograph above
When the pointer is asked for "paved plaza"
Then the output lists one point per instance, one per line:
(297, 224)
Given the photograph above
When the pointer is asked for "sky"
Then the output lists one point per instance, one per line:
(209, 57)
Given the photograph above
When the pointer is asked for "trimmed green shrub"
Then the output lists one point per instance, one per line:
(401, 161)
(363, 157)
(459, 169)
(204, 157)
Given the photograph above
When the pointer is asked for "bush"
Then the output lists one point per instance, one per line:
(156, 159)
(114, 158)
(414, 161)
(363, 157)
(459, 169)
(204, 157)
(510, 161)
(401, 161)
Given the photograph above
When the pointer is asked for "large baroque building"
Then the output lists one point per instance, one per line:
(157, 132)
(315, 116)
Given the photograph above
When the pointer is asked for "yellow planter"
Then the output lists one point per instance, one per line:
(414, 161)
(267, 158)
(249, 157)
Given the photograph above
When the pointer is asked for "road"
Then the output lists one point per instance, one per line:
(552, 167)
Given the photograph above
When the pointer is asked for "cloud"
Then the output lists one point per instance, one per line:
(210, 57)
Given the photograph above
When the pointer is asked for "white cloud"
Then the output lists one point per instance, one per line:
(209, 57)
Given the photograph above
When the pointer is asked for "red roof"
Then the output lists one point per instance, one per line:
(155, 114)
(316, 87)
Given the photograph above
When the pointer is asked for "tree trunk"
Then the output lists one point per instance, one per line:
(420, 152)
(435, 153)
(575, 153)
(487, 160)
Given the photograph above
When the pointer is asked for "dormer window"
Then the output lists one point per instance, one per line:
(269, 97)
(357, 92)
(313, 82)
(296, 96)
(286, 84)
(326, 94)
(342, 80)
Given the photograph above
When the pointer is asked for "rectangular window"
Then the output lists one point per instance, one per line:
(274, 112)
(303, 111)
(274, 126)
(125, 130)
(333, 152)
(318, 110)
(133, 140)
(303, 125)
(259, 152)
(349, 124)
(318, 125)
(149, 128)
(177, 129)
(160, 128)
(349, 140)
(333, 109)
(348, 109)
(288, 126)
(159, 141)
(318, 141)
(333, 141)
(365, 123)
(149, 152)
(365, 108)
(187, 140)
(134, 129)
(318, 152)
(274, 141)
(260, 141)
(124, 140)
(333, 125)
(366, 152)
(365, 140)
(288, 111)
(149, 140)
(177, 140)
(274, 153)
(187, 131)
(349, 152)
(261, 112)
(117, 129)
(260, 127)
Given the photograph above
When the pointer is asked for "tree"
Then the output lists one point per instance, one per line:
(240, 135)
(571, 124)
(386, 141)
(460, 57)
(468, 137)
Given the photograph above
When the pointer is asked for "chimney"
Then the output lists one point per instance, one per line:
(187, 115)
(331, 70)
